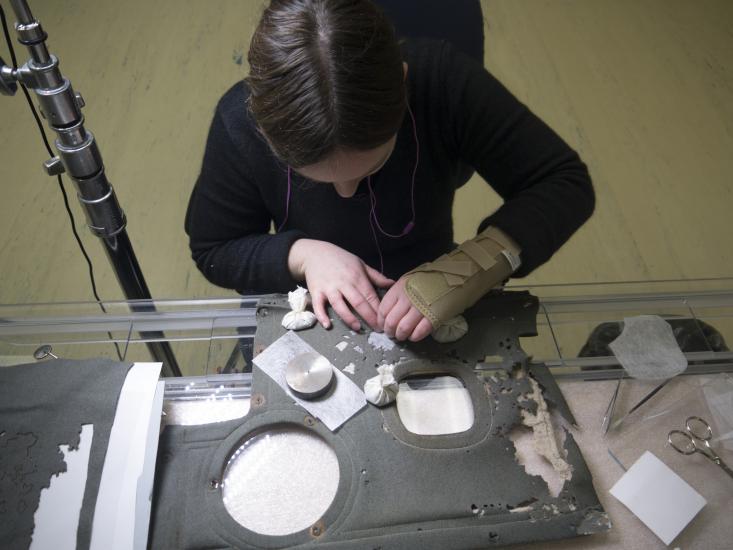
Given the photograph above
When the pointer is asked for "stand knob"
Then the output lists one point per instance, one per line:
(54, 166)
(8, 86)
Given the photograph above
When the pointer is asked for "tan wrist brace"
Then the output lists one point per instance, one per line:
(445, 287)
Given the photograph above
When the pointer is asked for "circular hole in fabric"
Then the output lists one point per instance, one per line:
(280, 481)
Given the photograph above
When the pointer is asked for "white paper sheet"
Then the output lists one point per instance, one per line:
(126, 482)
(57, 516)
(658, 497)
(144, 495)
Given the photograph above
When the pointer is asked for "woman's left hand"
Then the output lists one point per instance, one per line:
(399, 319)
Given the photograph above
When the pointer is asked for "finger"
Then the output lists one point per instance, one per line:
(371, 296)
(395, 315)
(343, 311)
(319, 309)
(388, 302)
(378, 278)
(422, 330)
(363, 303)
(408, 324)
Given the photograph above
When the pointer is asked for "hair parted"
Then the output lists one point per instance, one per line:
(325, 75)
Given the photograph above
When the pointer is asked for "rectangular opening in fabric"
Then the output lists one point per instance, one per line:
(434, 405)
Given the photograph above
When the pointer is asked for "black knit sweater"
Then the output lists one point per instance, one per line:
(465, 120)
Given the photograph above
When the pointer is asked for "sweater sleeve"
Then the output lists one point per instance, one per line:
(228, 222)
(546, 188)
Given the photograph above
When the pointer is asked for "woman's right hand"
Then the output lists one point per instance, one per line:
(338, 277)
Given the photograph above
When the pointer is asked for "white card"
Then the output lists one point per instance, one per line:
(658, 497)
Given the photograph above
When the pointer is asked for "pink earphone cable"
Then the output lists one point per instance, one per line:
(376, 241)
(373, 198)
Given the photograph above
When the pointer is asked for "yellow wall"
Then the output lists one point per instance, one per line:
(642, 88)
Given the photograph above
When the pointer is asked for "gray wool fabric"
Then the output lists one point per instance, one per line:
(397, 490)
(44, 405)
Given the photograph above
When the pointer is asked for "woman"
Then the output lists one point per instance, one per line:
(353, 147)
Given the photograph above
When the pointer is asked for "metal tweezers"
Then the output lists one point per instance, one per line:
(611, 406)
(646, 398)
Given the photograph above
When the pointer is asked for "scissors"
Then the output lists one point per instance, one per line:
(696, 439)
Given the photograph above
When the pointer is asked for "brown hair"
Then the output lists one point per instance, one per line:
(325, 75)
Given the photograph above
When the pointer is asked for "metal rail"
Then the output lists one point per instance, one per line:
(563, 322)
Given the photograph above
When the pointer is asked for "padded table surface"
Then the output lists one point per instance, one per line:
(711, 529)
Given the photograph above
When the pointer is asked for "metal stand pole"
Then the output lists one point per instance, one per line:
(80, 158)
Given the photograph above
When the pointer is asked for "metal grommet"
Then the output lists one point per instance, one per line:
(317, 529)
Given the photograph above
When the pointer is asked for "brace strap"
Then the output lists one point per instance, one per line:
(447, 286)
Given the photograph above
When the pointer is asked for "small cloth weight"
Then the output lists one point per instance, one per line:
(299, 318)
(453, 329)
(382, 389)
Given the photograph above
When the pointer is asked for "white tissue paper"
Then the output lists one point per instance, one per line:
(648, 349)
(450, 331)
(299, 318)
(382, 389)
(379, 340)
